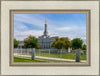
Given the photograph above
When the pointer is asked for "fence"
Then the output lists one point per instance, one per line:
(47, 55)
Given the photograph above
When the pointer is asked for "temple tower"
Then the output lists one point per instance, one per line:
(45, 40)
(45, 31)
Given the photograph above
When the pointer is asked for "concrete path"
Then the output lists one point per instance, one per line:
(50, 58)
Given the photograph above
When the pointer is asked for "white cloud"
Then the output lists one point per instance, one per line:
(36, 20)
(70, 32)
(21, 31)
(64, 28)
(21, 35)
(19, 26)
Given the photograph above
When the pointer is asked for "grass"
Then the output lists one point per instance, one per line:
(16, 59)
(63, 55)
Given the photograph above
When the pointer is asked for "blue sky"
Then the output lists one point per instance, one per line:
(62, 25)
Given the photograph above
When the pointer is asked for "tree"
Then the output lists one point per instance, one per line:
(84, 47)
(77, 43)
(61, 43)
(53, 43)
(38, 47)
(16, 43)
(68, 43)
(31, 42)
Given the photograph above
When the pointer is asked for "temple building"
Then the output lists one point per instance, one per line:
(45, 40)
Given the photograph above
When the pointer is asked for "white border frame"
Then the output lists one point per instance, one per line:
(86, 70)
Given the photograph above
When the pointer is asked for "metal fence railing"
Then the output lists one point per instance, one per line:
(47, 55)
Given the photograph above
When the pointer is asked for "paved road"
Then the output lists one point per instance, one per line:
(28, 56)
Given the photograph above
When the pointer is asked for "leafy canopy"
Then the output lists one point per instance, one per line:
(84, 47)
(61, 43)
(31, 42)
(16, 43)
(77, 43)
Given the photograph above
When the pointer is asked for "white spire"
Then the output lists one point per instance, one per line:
(45, 30)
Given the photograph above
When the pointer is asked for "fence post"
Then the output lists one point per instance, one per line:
(77, 55)
(33, 54)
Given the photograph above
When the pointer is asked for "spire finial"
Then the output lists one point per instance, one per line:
(45, 21)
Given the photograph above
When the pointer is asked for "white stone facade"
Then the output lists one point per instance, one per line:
(45, 43)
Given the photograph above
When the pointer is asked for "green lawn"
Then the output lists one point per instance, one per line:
(64, 55)
(16, 59)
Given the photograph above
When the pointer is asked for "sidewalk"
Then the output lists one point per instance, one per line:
(50, 58)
